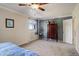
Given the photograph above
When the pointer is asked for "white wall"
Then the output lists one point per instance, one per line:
(76, 27)
(60, 28)
(20, 34)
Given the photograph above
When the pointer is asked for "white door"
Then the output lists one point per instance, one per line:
(67, 31)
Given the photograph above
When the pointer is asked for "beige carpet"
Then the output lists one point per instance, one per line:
(51, 48)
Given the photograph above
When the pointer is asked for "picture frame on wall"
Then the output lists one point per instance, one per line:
(9, 23)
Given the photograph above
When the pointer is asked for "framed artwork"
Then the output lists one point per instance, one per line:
(9, 23)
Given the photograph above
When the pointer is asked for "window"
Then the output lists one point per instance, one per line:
(32, 24)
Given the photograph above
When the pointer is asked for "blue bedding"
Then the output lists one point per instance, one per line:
(10, 49)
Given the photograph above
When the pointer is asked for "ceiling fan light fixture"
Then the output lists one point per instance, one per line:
(34, 6)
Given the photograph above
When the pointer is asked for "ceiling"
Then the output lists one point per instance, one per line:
(51, 10)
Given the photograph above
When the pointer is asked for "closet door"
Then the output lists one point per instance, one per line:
(67, 31)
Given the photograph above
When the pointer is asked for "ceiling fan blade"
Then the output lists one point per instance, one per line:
(39, 3)
(43, 3)
(41, 8)
(22, 4)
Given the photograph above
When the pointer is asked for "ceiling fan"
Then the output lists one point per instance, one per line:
(34, 5)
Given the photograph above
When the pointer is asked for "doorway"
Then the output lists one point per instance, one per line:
(42, 29)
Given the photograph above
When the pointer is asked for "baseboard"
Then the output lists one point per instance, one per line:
(27, 43)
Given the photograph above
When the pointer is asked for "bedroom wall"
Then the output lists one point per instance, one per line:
(76, 27)
(20, 34)
(60, 28)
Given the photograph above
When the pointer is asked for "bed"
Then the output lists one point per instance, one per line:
(10, 49)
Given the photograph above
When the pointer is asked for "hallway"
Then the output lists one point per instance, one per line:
(51, 48)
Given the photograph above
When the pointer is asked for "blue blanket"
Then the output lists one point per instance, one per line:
(10, 49)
